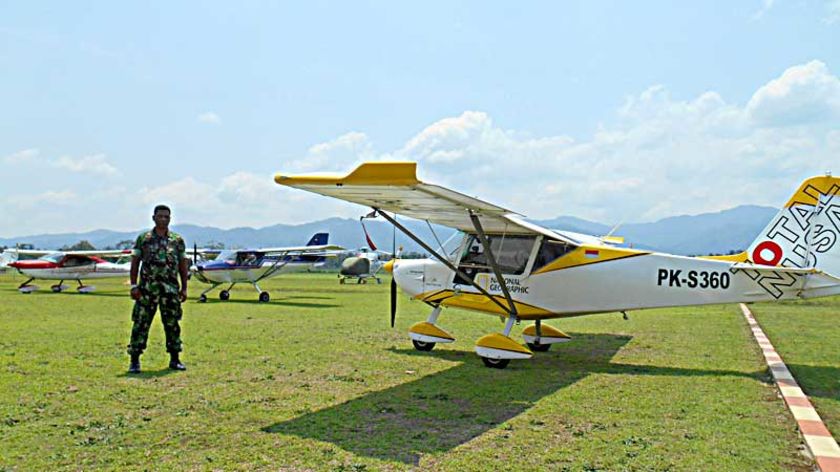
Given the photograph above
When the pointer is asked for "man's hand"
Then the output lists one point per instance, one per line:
(135, 293)
(182, 295)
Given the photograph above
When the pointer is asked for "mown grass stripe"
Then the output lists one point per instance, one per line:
(819, 440)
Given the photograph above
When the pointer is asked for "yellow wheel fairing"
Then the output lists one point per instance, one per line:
(585, 255)
(503, 343)
(547, 332)
(428, 329)
(478, 302)
(369, 173)
(810, 190)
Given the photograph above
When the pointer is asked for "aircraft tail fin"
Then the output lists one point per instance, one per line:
(319, 239)
(805, 232)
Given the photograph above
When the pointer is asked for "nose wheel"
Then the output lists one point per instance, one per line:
(224, 295)
(264, 297)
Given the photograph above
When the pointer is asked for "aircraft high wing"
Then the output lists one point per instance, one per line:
(507, 266)
(254, 265)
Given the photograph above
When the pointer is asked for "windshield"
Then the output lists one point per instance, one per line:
(54, 257)
(227, 256)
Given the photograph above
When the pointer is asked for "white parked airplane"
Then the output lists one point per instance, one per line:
(254, 265)
(507, 266)
(70, 265)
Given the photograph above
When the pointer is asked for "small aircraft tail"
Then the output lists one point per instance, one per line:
(319, 239)
(805, 232)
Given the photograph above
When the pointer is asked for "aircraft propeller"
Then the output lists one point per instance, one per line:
(393, 301)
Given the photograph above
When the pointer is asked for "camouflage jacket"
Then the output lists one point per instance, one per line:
(160, 258)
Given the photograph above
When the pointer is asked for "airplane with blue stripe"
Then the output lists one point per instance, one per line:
(255, 265)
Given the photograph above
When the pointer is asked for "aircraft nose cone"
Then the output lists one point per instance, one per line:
(389, 266)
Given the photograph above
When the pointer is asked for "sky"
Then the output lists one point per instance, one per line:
(609, 111)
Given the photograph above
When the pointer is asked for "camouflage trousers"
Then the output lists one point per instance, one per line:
(144, 313)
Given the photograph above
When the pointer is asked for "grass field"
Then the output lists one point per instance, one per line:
(318, 380)
(807, 336)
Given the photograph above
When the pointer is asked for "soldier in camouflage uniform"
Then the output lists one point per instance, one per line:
(160, 255)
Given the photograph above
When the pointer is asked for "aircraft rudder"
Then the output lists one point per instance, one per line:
(806, 230)
(319, 239)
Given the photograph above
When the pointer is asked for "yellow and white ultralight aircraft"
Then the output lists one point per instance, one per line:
(509, 267)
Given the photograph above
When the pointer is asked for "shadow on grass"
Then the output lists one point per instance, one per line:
(285, 301)
(442, 411)
(149, 374)
(439, 412)
(280, 302)
(817, 380)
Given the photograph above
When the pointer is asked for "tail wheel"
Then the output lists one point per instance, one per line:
(538, 347)
(495, 363)
(421, 346)
(224, 295)
(264, 297)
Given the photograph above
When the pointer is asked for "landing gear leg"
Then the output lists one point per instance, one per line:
(425, 335)
(537, 345)
(26, 283)
(203, 297)
(264, 296)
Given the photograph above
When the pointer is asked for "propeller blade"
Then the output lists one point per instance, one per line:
(393, 301)
(195, 253)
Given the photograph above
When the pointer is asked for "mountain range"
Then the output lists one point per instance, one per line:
(707, 233)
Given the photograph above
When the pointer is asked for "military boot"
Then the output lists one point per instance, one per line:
(175, 363)
(134, 366)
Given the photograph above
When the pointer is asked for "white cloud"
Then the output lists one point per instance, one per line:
(802, 94)
(209, 117)
(20, 157)
(766, 5)
(656, 156)
(96, 164)
(239, 199)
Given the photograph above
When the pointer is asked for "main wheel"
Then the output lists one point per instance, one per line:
(495, 363)
(202, 298)
(264, 297)
(538, 347)
(224, 295)
(56, 288)
(341, 281)
(378, 280)
(422, 346)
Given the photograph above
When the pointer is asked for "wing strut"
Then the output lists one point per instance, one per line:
(445, 261)
(492, 260)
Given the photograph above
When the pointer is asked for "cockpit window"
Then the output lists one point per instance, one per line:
(76, 261)
(511, 253)
(550, 250)
(248, 258)
(52, 257)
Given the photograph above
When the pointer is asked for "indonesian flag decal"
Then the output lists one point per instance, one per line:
(591, 253)
(367, 236)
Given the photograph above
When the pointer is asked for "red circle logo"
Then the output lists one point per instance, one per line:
(758, 253)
